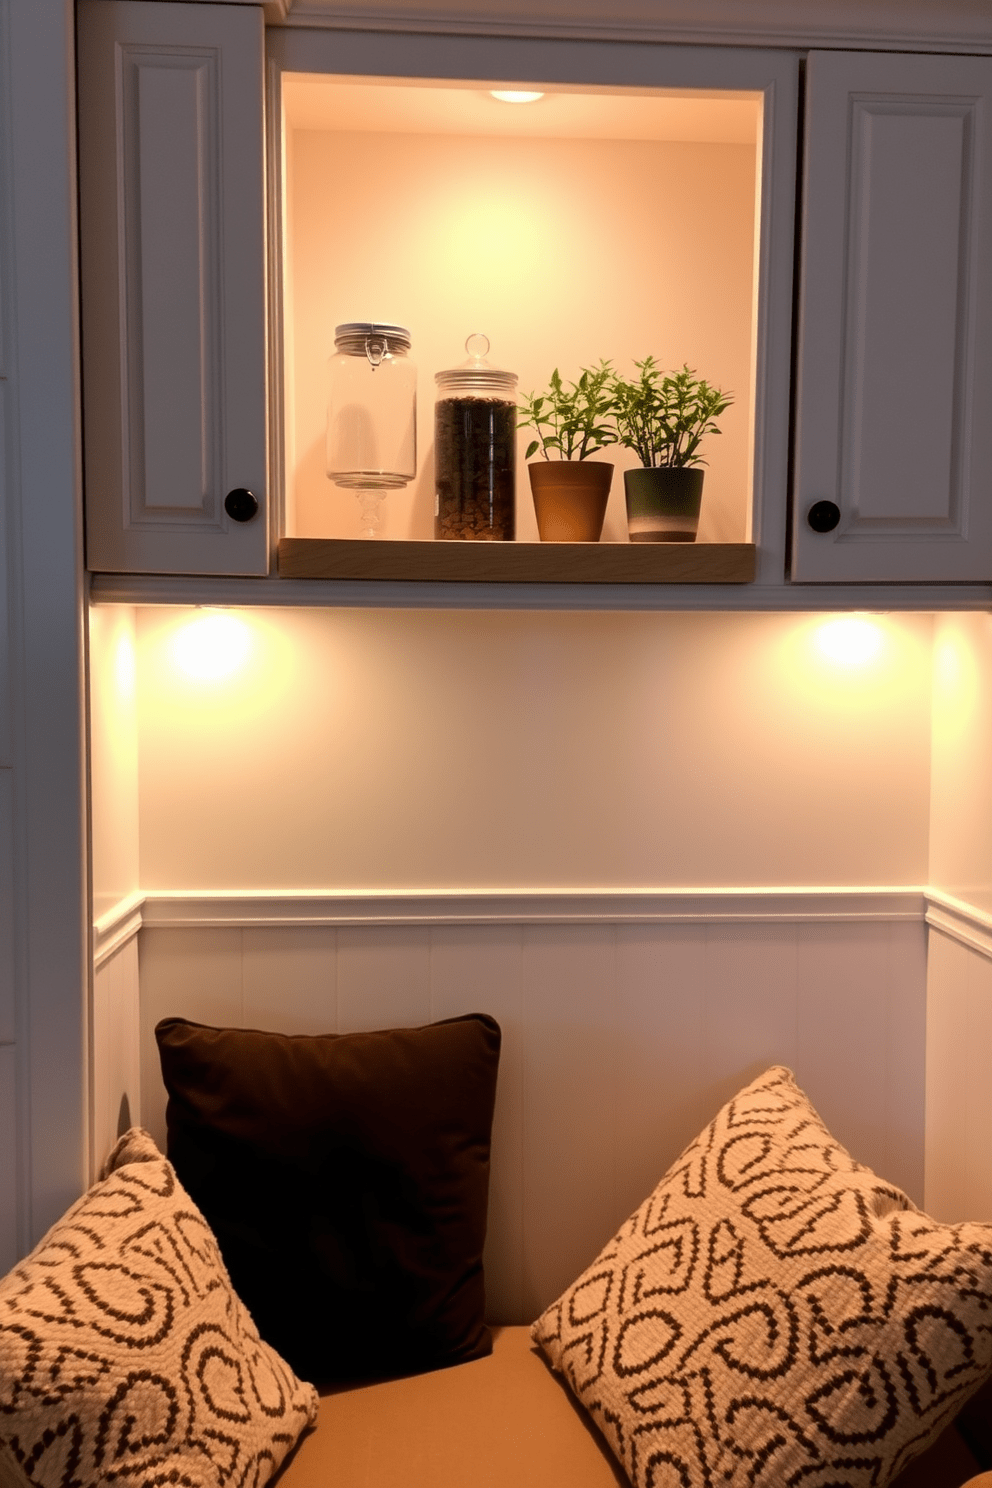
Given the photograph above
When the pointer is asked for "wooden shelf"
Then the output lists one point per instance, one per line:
(517, 563)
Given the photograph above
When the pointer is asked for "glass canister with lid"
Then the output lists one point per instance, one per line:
(371, 413)
(475, 445)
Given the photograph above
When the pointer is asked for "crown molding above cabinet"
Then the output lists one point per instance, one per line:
(892, 25)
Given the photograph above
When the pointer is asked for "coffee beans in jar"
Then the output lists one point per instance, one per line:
(475, 469)
(475, 426)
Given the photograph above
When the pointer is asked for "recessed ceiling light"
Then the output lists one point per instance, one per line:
(514, 95)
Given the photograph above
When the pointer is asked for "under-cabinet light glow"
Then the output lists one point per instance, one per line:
(514, 95)
(212, 646)
(956, 684)
(124, 666)
(849, 640)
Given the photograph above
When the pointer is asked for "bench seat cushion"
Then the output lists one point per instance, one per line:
(501, 1422)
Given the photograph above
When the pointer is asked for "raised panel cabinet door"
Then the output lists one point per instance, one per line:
(893, 473)
(173, 285)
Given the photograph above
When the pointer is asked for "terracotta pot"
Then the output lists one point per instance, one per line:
(663, 504)
(570, 498)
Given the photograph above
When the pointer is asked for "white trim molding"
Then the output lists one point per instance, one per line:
(114, 929)
(341, 908)
(213, 909)
(961, 921)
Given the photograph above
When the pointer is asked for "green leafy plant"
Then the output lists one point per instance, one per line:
(572, 419)
(664, 416)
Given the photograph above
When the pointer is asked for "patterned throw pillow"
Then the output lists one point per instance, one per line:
(125, 1356)
(774, 1314)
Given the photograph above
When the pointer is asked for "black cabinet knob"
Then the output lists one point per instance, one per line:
(823, 516)
(241, 504)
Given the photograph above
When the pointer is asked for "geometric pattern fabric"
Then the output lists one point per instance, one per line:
(774, 1313)
(125, 1355)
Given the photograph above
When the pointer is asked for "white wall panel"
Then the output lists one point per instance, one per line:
(570, 1107)
(751, 1002)
(861, 1041)
(959, 1081)
(668, 1092)
(6, 486)
(479, 969)
(620, 1043)
(9, 1207)
(7, 1020)
(194, 974)
(383, 978)
(289, 979)
(116, 1070)
(38, 128)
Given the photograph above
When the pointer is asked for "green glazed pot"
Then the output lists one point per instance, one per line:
(663, 504)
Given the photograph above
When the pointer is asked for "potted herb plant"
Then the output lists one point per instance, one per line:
(572, 422)
(664, 417)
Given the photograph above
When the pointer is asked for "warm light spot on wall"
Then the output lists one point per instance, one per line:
(956, 674)
(947, 661)
(124, 666)
(212, 646)
(849, 640)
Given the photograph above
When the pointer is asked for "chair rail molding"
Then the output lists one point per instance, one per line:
(963, 922)
(252, 908)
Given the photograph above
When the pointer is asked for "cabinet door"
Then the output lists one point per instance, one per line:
(173, 285)
(894, 399)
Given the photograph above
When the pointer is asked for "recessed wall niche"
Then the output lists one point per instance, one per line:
(589, 224)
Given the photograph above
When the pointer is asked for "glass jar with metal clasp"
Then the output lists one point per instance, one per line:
(371, 414)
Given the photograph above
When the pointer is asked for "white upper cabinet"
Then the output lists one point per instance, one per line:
(894, 398)
(173, 286)
(893, 403)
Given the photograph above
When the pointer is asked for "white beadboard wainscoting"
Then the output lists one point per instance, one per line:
(959, 1062)
(627, 1020)
(116, 1058)
(10, 1247)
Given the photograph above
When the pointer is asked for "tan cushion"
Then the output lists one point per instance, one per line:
(125, 1356)
(775, 1313)
(501, 1422)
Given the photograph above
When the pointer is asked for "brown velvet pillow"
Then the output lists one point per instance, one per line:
(346, 1178)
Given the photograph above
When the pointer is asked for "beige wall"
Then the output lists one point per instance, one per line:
(561, 250)
(959, 955)
(113, 755)
(418, 749)
(961, 781)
